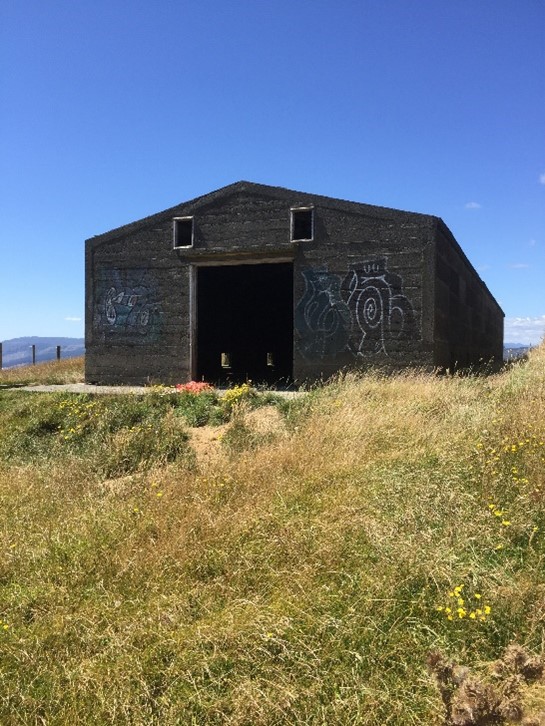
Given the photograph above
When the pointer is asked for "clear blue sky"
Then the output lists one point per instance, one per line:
(111, 110)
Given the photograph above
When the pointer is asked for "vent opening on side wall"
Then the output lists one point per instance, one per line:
(183, 232)
(302, 223)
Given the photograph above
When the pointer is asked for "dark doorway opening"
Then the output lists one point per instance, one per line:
(245, 323)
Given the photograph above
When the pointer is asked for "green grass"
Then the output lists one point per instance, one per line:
(112, 435)
(294, 578)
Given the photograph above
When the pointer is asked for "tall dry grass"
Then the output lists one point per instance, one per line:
(303, 580)
(68, 370)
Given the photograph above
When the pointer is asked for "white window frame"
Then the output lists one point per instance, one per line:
(175, 244)
(292, 225)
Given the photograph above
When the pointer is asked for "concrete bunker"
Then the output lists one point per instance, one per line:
(244, 323)
(270, 284)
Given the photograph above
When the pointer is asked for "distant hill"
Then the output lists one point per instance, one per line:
(515, 350)
(17, 351)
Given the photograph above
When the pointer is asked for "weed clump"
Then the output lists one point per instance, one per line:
(200, 404)
(496, 697)
(200, 409)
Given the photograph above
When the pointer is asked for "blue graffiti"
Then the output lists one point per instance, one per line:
(126, 306)
(322, 318)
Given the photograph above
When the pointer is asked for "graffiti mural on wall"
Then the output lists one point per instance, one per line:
(364, 315)
(322, 317)
(380, 311)
(126, 307)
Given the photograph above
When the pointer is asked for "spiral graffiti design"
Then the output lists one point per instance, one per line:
(370, 307)
(382, 313)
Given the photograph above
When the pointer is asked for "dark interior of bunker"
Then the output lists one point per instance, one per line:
(245, 323)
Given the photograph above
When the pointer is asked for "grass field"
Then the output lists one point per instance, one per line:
(298, 576)
(68, 370)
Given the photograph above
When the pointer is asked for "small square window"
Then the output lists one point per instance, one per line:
(302, 223)
(183, 232)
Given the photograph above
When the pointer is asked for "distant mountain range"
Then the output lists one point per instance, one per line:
(18, 351)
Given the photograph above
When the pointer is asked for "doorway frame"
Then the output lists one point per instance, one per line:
(193, 284)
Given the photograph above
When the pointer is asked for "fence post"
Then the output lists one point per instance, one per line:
(33, 354)
(58, 352)
(0, 356)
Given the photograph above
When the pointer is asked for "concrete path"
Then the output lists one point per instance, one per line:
(86, 388)
(137, 390)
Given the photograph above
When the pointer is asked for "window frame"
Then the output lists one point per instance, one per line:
(175, 222)
(293, 211)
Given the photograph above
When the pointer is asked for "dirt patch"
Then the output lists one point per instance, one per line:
(206, 440)
(266, 420)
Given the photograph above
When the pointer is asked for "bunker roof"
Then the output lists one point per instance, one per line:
(289, 195)
(292, 197)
